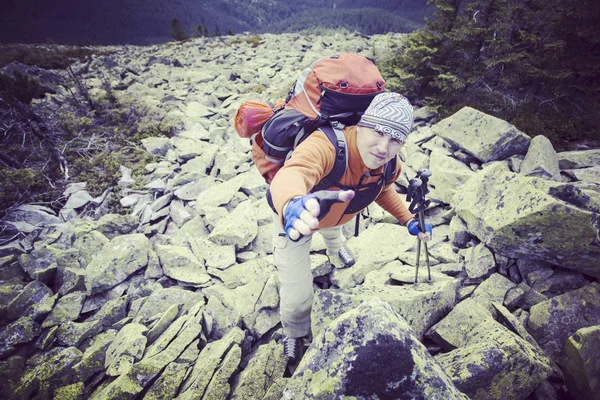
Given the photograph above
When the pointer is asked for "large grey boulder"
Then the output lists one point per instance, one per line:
(238, 228)
(533, 219)
(448, 175)
(127, 348)
(214, 367)
(483, 136)
(582, 370)
(578, 159)
(118, 259)
(552, 322)
(369, 351)
(541, 160)
(180, 263)
(265, 366)
(495, 363)
(421, 306)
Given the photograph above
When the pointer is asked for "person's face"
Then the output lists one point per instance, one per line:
(376, 148)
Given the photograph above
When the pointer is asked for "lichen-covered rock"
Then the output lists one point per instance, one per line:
(164, 351)
(591, 174)
(369, 351)
(531, 218)
(55, 372)
(219, 194)
(221, 354)
(238, 228)
(73, 333)
(373, 249)
(118, 259)
(34, 293)
(163, 322)
(40, 264)
(66, 309)
(579, 159)
(552, 322)
(161, 299)
(157, 145)
(448, 175)
(479, 262)
(182, 264)
(94, 356)
(168, 383)
(215, 256)
(74, 391)
(541, 160)
(89, 246)
(127, 348)
(452, 331)
(265, 366)
(581, 368)
(23, 330)
(495, 363)
(420, 305)
(483, 136)
(253, 301)
(223, 318)
(113, 225)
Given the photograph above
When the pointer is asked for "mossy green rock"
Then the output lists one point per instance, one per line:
(66, 309)
(94, 356)
(180, 263)
(23, 330)
(118, 259)
(495, 363)
(530, 218)
(74, 391)
(420, 305)
(205, 378)
(54, 372)
(582, 370)
(265, 366)
(168, 383)
(483, 136)
(34, 293)
(375, 247)
(161, 299)
(448, 175)
(239, 228)
(125, 349)
(369, 351)
(89, 246)
(40, 264)
(452, 331)
(552, 322)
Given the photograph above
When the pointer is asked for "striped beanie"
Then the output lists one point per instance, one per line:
(389, 113)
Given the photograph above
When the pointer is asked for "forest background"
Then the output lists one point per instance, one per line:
(534, 63)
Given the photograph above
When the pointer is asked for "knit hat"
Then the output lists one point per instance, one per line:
(389, 113)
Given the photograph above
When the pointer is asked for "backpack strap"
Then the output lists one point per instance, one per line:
(337, 138)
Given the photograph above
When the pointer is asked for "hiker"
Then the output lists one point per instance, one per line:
(371, 145)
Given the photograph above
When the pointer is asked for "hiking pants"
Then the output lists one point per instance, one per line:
(292, 260)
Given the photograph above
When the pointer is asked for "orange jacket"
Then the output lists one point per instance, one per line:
(312, 161)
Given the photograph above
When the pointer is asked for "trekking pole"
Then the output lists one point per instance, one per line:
(417, 189)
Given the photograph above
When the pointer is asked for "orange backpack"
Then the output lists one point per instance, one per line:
(332, 92)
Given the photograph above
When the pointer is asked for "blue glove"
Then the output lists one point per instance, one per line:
(295, 207)
(413, 228)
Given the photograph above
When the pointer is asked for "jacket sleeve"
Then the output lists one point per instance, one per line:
(392, 202)
(310, 162)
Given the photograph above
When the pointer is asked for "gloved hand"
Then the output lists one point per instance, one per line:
(302, 214)
(413, 229)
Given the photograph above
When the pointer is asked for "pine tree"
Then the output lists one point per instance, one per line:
(177, 30)
(532, 62)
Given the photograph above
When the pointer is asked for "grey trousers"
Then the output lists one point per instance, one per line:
(292, 260)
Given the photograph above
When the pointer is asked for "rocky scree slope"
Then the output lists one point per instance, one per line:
(179, 298)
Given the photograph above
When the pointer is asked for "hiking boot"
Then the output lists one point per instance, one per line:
(290, 347)
(344, 258)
